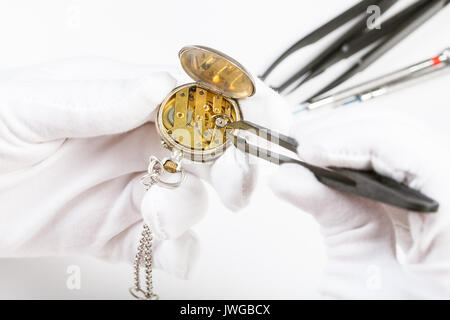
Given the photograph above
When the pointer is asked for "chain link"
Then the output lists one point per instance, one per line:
(144, 253)
(144, 256)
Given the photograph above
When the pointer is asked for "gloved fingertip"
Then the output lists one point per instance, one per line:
(170, 212)
(297, 185)
(191, 257)
(155, 91)
(268, 108)
(233, 178)
(322, 155)
(136, 102)
(178, 257)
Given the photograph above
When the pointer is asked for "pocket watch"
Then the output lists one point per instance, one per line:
(191, 122)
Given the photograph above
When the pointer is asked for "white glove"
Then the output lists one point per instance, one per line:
(359, 233)
(75, 140)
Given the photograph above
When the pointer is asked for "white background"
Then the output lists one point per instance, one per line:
(268, 250)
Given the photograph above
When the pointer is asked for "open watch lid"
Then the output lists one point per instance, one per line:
(217, 70)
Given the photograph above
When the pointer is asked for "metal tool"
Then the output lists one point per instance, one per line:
(367, 184)
(350, 14)
(358, 37)
(381, 85)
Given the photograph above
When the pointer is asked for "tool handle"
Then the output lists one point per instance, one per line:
(367, 184)
(371, 185)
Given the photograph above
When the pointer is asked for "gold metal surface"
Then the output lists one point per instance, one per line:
(170, 166)
(191, 120)
(181, 105)
(217, 70)
(192, 117)
(200, 110)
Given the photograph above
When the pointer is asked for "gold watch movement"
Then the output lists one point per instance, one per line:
(192, 119)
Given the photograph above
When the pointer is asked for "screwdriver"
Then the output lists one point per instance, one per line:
(381, 85)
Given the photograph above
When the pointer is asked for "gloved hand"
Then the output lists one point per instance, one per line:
(361, 236)
(75, 140)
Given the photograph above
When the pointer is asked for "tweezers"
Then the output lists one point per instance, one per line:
(367, 184)
(357, 38)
